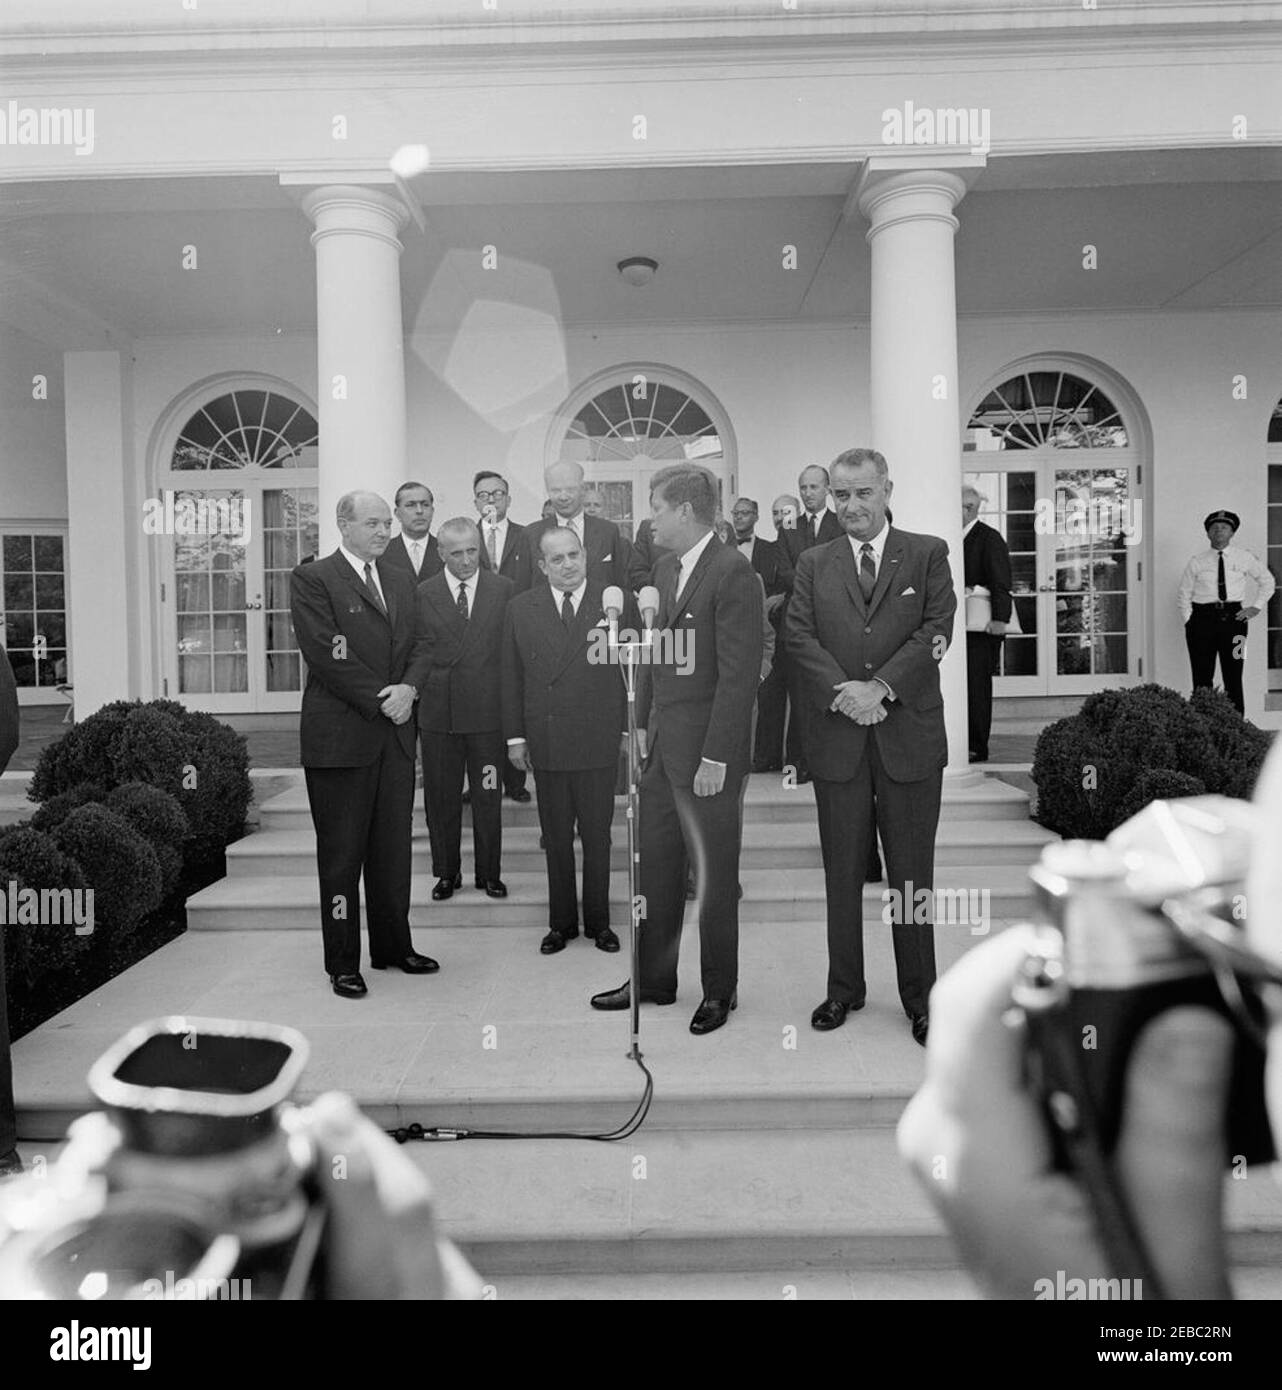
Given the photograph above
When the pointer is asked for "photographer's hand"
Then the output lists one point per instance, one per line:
(381, 1239)
(977, 1141)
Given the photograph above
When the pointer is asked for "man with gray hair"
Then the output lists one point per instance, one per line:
(609, 554)
(987, 560)
(354, 621)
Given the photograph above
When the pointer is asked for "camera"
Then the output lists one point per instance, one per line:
(1150, 919)
(194, 1180)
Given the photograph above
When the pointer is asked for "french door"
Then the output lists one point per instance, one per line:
(1074, 528)
(225, 597)
(625, 489)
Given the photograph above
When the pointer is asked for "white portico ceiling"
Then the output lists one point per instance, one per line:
(1177, 230)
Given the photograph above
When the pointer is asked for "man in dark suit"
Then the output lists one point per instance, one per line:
(456, 655)
(564, 709)
(10, 1162)
(502, 543)
(987, 560)
(869, 621)
(772, 564)
(415, 550)
(694, 701)
(609, 555)
(354, 621)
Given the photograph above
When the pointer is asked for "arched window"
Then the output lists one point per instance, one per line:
(1046, 410)
(625, 424)
(247, 429)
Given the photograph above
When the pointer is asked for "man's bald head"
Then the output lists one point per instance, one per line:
(565, 487)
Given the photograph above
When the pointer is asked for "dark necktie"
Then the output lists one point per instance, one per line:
(867, 570)
(567, 610)
(1224, 588)
(462, 601)
(814, 528)
(372, 588)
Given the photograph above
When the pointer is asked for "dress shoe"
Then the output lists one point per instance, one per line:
(712, 1013)
(832, 1014)
(621, 998)
(492, 887)
(411, 964)
(521, 795)
(553, 942)
(446, 888)
(605, 939)
(921, 1026)
(349, 986)
(10, 1164)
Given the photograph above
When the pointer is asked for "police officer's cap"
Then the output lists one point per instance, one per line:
(1231, 517)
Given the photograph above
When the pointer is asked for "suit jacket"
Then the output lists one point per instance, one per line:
(771, 562)
(454, 662)
(515, 544)
(704, 711)
(8, 711)
(568, 705)
(609, 553)
(396, 554)
(793, 541)
(833, 635)
(987, 561)
(352, 652)
(646, 554)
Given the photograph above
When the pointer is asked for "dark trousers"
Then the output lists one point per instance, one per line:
(363, 818)
(8, 1120)
(679, 828)
(587, 796)
(772, 709)
(907, 814)
(445, 756)
(1212, 632)
(982, 652)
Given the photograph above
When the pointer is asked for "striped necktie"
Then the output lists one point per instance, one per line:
(375, 597)
(867, 571)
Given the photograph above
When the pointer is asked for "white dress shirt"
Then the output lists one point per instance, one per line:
(468, 584)
(1200, 582)
(688, 561)
(500, 539)
(746, 546)
(878, 543)
(575, 523)
(359, 566)
(416, 550)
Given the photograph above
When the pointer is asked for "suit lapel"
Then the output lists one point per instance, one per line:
(850, 576)
(480, 610)
(665, 575)
(358, 583)
(702, 565)
(441, 598)
(589, 614)
(892, 553)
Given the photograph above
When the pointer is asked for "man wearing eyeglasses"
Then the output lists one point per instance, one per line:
(414, 551)
(503, 548)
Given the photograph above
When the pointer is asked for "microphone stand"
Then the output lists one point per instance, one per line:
(629, 655)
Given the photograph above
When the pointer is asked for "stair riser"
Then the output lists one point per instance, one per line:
(469, 908)
(808, 858)
(773, 813)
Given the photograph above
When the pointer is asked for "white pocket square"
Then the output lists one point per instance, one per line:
(605, 622)
(907, 591)
(605, 559)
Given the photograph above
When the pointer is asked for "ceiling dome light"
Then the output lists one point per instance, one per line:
(638, 270)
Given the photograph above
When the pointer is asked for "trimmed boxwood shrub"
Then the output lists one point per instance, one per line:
(160, 820)
(31, 858)
(1125, 748)
(199, 761)
(117, 863)
(56, 810)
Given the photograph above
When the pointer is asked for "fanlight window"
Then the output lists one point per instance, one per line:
(1045, 410)
(642, 419)
(247, 429)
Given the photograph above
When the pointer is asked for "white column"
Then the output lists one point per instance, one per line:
(360, 349)
(103, 612)
(914, 404)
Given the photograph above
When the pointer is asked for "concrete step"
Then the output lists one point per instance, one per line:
(276, 900)
(768, 801)
(792, 845)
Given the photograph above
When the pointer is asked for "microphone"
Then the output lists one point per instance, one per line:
(612, 602)
(648, 603)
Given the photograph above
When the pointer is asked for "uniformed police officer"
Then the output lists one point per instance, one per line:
(1211, 594)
